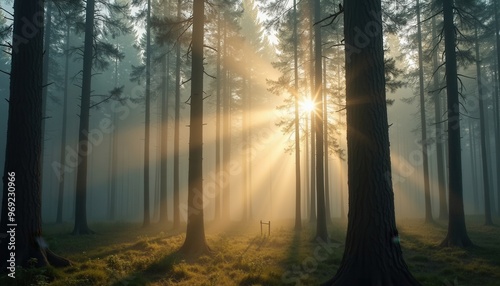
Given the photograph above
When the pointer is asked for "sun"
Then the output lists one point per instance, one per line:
(307, 105)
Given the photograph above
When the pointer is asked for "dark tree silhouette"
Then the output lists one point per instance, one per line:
(372, 253)
(81, 226)
(22, 170)
(457, 232)
(195, 242)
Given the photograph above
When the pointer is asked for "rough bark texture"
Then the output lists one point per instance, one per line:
(195, 243)
(22, 169)
(372, 251)
(84, 146)
(457, 232)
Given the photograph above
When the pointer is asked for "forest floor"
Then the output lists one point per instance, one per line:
(126, 254)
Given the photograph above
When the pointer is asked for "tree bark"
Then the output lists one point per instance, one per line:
(457, 232)
(22, 170)
(84, 146)
(218, 124)
(195, 242)
(146, 215)
(164, 140)
(372, 253)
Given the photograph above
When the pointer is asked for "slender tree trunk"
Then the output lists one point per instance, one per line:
(226, 133)
(326, 147)
(22, 169)
(457, 232)
(312, 216)
(146, 215)
(164, 140)
(440, 135)
(475, 186)
(244, 138)
(298, 216)
(423, 123)
(482, 126)
(84, 146)
(321, 231)
(177, 218)
(217, 124)
(195, 243)
(60, 197)
(372, 253)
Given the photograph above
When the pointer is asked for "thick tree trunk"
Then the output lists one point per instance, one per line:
(195, 243)
(177, 218)
(372, 253)
(482, 126)
(423, 123)
(84, 146)
(457, 232)
(298, 216)
(21, 216)
(440, 135)
(497, 95)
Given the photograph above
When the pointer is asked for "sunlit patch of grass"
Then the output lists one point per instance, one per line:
(127, 254)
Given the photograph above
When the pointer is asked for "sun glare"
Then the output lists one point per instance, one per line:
(307, 105)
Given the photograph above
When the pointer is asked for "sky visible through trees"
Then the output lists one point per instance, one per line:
(193, 116)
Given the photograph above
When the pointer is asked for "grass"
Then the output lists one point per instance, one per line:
(126, 254)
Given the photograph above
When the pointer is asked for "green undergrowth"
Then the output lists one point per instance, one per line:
(127, 254)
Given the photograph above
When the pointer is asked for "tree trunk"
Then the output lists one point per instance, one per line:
(226, 133)
(321, 231)
(457, 232)
(195, 243)
(177, 218)
(440, 135)
(22, 169)
(312, 209)
(298, 216)
(372, 253)
(164, 140)
(326, 147)
(146, 216)
(423, 123)
(475, 186)
(497, 134)
(84, 146)
(218, 173)
(482, 126)
(60, 197)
